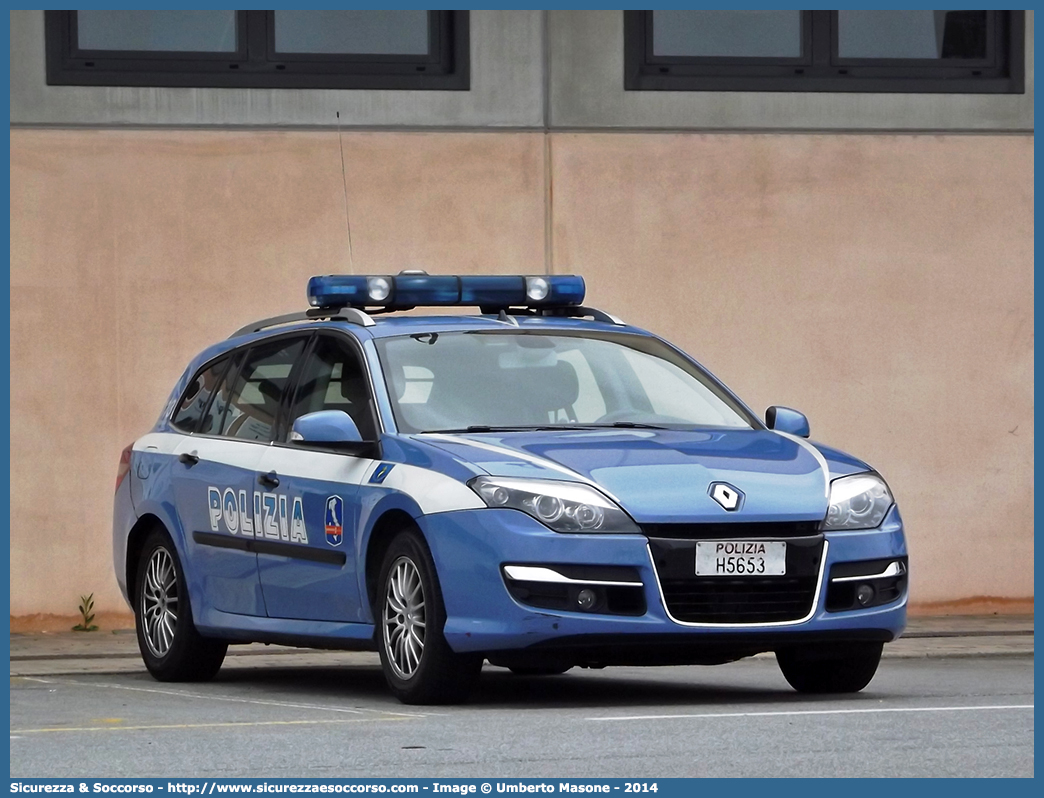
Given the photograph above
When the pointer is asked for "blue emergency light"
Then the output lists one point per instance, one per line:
(410, 289)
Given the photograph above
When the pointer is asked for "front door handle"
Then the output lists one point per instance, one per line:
(269, 480)
(189, 458)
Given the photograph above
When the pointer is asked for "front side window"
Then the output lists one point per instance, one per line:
(333, 378)
(838, 51)
(334, 49)
(257, 392)
(455, 381)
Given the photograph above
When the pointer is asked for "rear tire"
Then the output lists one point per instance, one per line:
(840, 668)
(419, 665)
(171, 647)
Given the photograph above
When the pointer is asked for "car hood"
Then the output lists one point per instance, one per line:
(665, 476)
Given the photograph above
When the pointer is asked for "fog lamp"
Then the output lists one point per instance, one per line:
(864, 595)
(585, 599)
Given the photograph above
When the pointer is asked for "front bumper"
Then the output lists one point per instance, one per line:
(471, 546)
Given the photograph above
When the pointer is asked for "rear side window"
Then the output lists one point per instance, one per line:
(211, 423)
(197, 396)
(258, 390)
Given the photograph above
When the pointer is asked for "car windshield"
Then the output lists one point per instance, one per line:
(493, 380)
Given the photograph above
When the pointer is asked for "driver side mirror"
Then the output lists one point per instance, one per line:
(333, 429)
(784, 419)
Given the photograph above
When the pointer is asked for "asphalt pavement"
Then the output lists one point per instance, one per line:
(954, 697)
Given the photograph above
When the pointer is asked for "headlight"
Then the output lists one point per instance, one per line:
(563, 506)
(857, 502)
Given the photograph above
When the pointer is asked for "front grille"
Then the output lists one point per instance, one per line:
(737, 599)
(718, 599)
(733, 531)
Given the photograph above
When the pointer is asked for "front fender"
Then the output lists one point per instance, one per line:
(400, 487)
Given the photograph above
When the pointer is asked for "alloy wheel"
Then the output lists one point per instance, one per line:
(404, 618)
(159, 602)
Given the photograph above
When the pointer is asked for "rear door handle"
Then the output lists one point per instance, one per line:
(269, 480)
(189, 458)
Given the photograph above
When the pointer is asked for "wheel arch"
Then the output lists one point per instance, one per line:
(390, 524)
(135, 542)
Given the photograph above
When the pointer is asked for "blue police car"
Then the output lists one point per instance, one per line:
(538, 484)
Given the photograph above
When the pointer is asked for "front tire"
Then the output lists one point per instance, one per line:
(841, 668)
(171, 647)
(418, 663)
(539, 670)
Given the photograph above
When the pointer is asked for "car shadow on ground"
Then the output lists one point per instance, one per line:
(675, 690)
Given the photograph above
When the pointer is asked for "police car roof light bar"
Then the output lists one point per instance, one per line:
(409, 290)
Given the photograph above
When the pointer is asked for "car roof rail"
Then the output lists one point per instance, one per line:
(350, 315)
(582, 311)
(567, 311)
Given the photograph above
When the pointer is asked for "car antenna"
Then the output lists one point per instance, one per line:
(344, 183)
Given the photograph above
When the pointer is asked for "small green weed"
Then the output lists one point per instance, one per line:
(87, 613)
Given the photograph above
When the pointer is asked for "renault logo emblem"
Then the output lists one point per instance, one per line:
(727, 496)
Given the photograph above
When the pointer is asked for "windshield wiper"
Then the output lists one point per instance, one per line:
(519, 428)
(629, 425)
(546, 427)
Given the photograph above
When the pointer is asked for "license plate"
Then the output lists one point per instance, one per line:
(741, 558)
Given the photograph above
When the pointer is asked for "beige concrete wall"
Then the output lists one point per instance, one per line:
(882, 284)
(132, 251)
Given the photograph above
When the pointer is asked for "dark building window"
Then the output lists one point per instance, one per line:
(978, 52)
(186, 31)
(725, 34)
(340, 49)
(399, 32)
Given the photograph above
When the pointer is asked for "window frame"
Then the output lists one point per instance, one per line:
(820, 69)
(256, 64)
